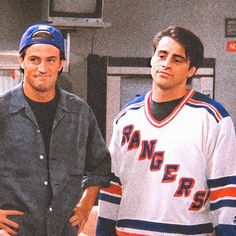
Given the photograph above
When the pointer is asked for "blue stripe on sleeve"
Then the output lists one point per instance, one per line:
(116, 179)
(105, 227)
(213, 183)
(223, 203)
(109, 198)
(226, 230)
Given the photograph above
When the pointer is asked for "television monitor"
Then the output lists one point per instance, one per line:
(73, 13)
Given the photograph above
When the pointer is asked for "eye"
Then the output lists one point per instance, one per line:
(179, 60)
(161, 55)
(34, 60)
(51, 60)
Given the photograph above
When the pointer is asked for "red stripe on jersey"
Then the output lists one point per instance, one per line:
(214, 110)
(121, 233)
(113, 189)
(169, 118)
(221, 193)
(135, 105)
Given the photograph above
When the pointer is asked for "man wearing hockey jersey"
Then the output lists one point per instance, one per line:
(173, 153)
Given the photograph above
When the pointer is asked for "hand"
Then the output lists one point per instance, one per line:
(82, 210)
(4, 233)
(79, 218)
(90, 226)
(6, 225)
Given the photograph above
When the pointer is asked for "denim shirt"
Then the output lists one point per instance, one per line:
(78, 158)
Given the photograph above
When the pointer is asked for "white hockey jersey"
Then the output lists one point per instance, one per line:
(172, 177)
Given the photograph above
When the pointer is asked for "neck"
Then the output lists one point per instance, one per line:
(162, 95)
(38, 95)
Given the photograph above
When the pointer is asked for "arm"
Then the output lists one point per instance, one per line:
(110, 197)
(222, 181)
(83, 208)
(97, 172)
(90, 226)
(108, 208)
(98, 161)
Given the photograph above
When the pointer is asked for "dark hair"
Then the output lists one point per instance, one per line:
(22, 55)
(192, 45)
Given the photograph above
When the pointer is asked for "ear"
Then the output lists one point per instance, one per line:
(21, 61)
(152, 61)
(62, 64)
(192, 70)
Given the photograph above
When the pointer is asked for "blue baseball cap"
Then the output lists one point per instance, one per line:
(42, 34)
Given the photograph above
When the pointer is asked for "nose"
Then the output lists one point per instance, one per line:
(166, 63)
(42, 67)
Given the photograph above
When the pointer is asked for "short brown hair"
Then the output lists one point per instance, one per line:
(192, 45)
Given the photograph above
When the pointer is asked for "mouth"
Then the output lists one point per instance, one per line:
(161, 72)
(42, 77)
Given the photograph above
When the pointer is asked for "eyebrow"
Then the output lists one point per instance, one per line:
(174, 55)
(40, 56)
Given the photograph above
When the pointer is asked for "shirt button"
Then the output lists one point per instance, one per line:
(50, 209)
(38, 131)
(45, 182)
(41, 157)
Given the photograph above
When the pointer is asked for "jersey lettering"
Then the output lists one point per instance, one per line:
(148, 148)
(168, 176)
(126, 134)
(185, 187)
(157, 161)
(134, 140)
(199, 199)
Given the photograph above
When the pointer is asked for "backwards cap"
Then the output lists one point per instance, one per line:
(42, 34)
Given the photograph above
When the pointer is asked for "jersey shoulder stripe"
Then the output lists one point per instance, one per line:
(136, 100)
(134, 104)
(199, 100)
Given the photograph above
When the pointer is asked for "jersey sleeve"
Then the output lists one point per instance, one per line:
(110, 197)
(108, 208)
(222, 177)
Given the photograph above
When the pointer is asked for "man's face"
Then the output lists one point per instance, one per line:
(170, 67)
(41, 65)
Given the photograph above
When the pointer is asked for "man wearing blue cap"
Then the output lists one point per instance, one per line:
(53, 159)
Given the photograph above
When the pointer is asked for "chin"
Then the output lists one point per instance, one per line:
(42, 88)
